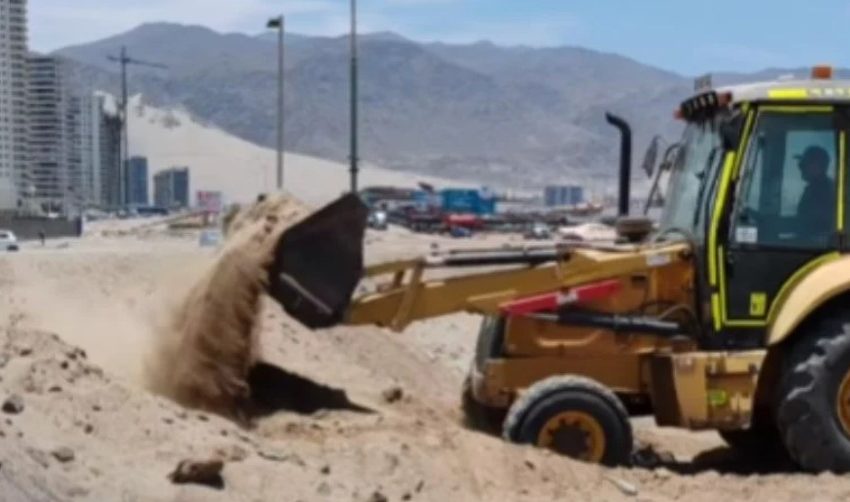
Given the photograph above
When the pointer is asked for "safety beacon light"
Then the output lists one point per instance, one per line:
(822, 72)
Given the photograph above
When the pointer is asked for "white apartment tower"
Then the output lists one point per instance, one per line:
(49, 135)
(13, 97)
(70, 148)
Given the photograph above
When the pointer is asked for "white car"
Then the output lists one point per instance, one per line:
(378, 220)
(8, 241)
(539, 231)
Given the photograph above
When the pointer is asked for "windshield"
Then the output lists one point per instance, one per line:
(693, 171)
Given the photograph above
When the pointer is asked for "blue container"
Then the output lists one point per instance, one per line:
(425, 201)
(457, 200)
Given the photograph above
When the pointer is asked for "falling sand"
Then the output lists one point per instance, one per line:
(208, 344)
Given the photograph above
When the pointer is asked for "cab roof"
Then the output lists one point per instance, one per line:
(790, 90)
(820, 89)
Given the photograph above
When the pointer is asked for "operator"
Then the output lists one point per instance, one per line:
(814, 211)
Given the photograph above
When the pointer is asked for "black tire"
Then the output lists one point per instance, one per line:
(477, 416)
(749, 440)
(807, 413)
(554, 395)
(761, 439)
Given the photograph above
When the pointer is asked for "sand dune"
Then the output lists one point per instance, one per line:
(220, 161)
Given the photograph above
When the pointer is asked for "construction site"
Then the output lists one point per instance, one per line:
(308, 357)
(460, 321)
(95, 410)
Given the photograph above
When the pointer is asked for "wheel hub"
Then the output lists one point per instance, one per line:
(575, 434)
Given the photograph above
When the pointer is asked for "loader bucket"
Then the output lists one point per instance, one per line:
(319, 262)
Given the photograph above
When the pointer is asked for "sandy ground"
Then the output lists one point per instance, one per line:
(78, 318)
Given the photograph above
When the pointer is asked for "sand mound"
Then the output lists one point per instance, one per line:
(208, 345)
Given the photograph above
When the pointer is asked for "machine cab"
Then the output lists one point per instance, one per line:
(759, 186)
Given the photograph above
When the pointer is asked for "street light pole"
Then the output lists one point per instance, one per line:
(279, 23)
(354, 146)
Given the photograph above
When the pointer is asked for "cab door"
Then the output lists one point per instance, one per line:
(786, 216)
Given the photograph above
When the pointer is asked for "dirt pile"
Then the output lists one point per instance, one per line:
(209, 343)
(77, 425)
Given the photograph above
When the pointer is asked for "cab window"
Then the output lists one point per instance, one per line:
(787, 193)
(693, 170)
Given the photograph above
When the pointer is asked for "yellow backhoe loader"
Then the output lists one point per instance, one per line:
(733, 315)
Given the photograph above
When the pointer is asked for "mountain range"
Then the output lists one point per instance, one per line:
(504, 116)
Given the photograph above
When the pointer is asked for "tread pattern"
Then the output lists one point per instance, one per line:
(551, 385)
(805, 415)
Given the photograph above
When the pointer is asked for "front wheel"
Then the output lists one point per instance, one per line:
(813, 414)
(574, 416)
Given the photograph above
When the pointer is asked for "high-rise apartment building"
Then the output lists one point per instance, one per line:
(13, 97)
(137, 182)
(49, 110)
(171, 188)
(58, 148)
(110, 160)
(92, 114)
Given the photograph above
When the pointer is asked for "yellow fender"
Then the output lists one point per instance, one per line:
(828, 279)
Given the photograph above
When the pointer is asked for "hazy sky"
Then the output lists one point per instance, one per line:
(684, 36)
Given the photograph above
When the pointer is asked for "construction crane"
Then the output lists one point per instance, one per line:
(123, 59)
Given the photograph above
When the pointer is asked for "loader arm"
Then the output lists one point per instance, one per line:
(317, 274)
(412, 290)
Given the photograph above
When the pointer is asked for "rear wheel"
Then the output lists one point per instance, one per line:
(762, 438)
(749, 441)
(813, 413)
(574, 416)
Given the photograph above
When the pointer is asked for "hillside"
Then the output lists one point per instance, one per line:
(425, 107)
(514, 116)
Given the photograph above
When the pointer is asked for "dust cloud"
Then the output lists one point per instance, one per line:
(207, 343)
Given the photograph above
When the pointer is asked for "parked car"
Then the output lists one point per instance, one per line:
(378, 220)
(459, 232)
(8, 241)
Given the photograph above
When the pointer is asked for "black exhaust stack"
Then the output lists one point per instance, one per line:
(625, 161)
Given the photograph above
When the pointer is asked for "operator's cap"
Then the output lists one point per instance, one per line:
(813, 155)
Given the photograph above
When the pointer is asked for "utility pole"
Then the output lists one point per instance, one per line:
(354, 154)
(125, 60)
(279, 23)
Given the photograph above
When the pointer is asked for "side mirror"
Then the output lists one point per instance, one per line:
(656, 197)
(651, 156)
(671, 156)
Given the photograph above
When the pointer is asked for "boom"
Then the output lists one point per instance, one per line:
(410, 295)
(318, 266)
